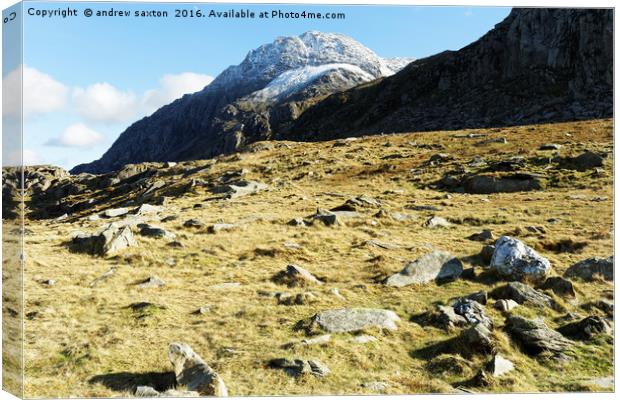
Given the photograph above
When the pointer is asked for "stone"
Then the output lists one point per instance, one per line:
(482, 236)
(108, 241)
(148, 209)
(146, 391)
(193, 373)
(445, 317)
(155, 231)
(436, 265)
(499, 366)
(357, 203)
(295, 275)
(472, 312)
(297, 367)
(515, 260)
(327, 217)
(193, 223)
(298, 299)
(587, 328)
(591, 268)
(215, 228)
(115, 212)
(297, 222)
(437, 222)
(486, 184)
(477, 338)
(586, 160)
(355, 319)
(550, 146)
(522, 294)
(377, 387)
(535, 336)
(486, 253)
(151, 282)
(480, 297)
(603, 305)
(560, 286)
(239, 188)
(505, 305)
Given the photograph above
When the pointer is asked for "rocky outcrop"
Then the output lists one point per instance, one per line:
(591, 268)
(535, 336)
(355, 319)
(193, 373)
(538, 65)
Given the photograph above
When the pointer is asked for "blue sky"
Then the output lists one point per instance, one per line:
(93, 77)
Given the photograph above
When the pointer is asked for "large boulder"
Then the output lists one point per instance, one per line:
(514, 259)
(109, 241)
(486, 184)
(436, 265)
(592, 267)
(522, 294)
(193, 373)
(535, 336)
(587, 328)
(355, 319)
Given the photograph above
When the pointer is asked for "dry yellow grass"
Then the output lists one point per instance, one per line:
(84, 341)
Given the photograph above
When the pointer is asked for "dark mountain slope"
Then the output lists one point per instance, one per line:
(538, 65)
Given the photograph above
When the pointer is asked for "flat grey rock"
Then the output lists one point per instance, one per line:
(436, 265)
(355, 319)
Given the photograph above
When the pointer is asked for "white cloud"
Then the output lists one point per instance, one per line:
(102, 102)
(42, 93)
(77, 135)
(172, 87)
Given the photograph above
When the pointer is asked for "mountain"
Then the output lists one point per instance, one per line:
(538, 65)
(273, 85)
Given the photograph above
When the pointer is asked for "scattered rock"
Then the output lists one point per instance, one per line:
(148, 209)
(586, 160)
(486, 254)
(193, 373)
(472, 312)
(357, 203)
(298, 299)
(499, 366)
(587, 328)
(522, 294)
(155, 231)
(296, 276)
(323, 339)
(437, 222)
(193, 223)
(591, 268)
(146, 391)
(297, 367)
(327, 217)
(481, 297)
(550, 146)
(436, 265)
(239, 188)
(151, 282)
(110, 240)
(297, 222)
(355, 319)
(377, 387)
(115, 212)
(482, 236)
(513, 259)
(505, 305)
(535, 336)
(215, 228)
(477, 338)
(605, 306)
(560, 286)
(486, 184)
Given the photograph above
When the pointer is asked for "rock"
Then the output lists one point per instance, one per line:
(169, 218)
(47, 282)
(436, 265)
(169, 164)
(522, 294)
(486, 184)
(605, 306)
(482, 236)
(327, 217)
(297, 222)
(297, 367)
(110, 240)
(147, 209)
(151, 282)
(486, 254)
(239, 188)
(550, 146)
(480, 297)
(357, 203)
(472, 312)
(202, 310)
(513, 259)
(587, 328)
(586, 160)
(377, 387)
(323, 339)
(115, 212)
(193, 223)
(296, 276)
(437, 222)
(298, 299)
(439, 158)
(446, 318)
(477, 338)
(193, 373)
(155, 231)
(560, 286)
(355, 319)
(146, 391)
(535, 336)
(499, 366)
(215, 228)
(592, 267)
(506, 305)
